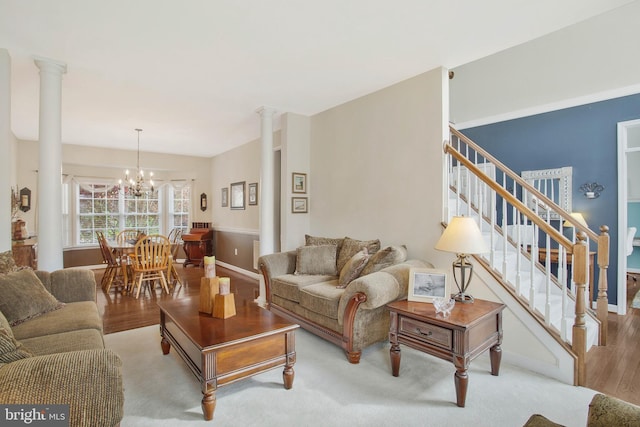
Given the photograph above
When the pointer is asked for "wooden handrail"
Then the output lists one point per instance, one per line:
(511, 199)
(565, 216)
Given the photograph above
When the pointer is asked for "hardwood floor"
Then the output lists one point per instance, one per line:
(613, 369)
(122, 312)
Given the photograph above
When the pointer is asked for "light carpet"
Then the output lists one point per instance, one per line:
(329, 391)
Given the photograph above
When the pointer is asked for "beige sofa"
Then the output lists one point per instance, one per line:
(52, 349)
(338, 288)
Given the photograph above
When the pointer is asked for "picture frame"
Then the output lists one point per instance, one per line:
(299, 183)
(237, 195)
(426, 284)
(253, 194)
(224, 197)
(299, 204)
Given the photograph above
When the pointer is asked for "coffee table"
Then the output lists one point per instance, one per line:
(222, 351)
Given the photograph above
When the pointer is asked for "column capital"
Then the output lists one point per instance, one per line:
(266, 111)
(47, 64)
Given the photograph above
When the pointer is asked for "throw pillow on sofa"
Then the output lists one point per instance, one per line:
(352, 268)
(7, 263)
(10, 349)
(23, 297)
(319, 259)
(352, 246)
(316, 241)
(384, 258)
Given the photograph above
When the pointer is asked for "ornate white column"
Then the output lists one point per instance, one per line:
(267, 203)
(6, 167)
(50, 165)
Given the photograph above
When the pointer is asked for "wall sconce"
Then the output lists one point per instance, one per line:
(25, 199)
(203, 202)
(591, 190)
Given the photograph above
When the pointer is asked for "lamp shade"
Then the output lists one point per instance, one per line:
(462, 236)
(577, 216)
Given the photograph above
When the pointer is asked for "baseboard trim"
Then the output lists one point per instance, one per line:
(238, 270)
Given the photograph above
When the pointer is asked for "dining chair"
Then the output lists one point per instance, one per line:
(150, 262)
(112, 272)
(175, 239)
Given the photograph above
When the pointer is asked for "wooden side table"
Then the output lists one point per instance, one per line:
(25, 253)
(469, 331)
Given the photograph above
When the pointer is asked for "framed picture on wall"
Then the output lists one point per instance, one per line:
(253, 194)
(225, 197)
(299, 182)
(237, 195)
(299, 205)
(425, 284)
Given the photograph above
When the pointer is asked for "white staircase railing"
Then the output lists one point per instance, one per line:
(544, 270)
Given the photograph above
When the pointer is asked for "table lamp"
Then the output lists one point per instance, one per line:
(462, 237)
(577, 216)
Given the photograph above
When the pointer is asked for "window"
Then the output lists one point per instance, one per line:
(102, 207)
(142, 213)
(180, 207)
(98, 210)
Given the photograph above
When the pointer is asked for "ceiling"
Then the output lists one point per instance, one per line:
(192, 73)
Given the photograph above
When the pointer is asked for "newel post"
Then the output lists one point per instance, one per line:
(580, 275)
(602, 307)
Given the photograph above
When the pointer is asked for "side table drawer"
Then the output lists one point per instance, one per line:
(432, 334)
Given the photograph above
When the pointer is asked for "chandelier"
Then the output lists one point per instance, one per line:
(137, 186)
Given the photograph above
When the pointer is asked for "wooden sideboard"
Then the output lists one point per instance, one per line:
(198, 243)
(25, 253)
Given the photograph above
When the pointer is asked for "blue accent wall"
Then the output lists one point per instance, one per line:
(584, 137)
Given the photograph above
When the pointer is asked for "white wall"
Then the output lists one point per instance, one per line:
(376, 166)
(295, 157)
(237, 165)
(593, 60)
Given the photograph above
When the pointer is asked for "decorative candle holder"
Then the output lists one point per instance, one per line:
(224, 303)
(209, 267)
(224, 306)
(209, 288)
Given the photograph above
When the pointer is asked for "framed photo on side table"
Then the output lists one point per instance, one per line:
(425, 284)
(299, 205)
(299, 182)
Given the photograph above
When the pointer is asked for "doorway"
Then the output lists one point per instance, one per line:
(628, 203)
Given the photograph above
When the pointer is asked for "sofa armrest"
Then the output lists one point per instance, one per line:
(274, 265)
(89, 381)
(70, 284)
(605, 411)
(379, 288)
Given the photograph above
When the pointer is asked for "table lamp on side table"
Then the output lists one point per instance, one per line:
(462, 237)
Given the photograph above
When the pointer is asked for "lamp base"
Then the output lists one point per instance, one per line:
(463, 298)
